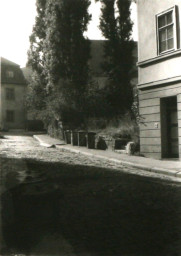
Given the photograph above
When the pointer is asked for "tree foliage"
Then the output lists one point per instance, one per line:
(36, 96)
(116, 27)
(59, 54)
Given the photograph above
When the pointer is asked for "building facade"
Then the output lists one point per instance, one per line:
(12, 96)
(159, 77)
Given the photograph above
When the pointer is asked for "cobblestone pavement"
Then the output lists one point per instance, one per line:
(56, 202)
(25, 147)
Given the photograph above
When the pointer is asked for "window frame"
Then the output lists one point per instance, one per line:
(10, 73)
(10, 116)
(174, 23)
(10, 94)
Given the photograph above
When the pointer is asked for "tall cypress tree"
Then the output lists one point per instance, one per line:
(37, 38)
(66, 54)
(36, 97)
(116, 27)
(66, 51)
(63, 52)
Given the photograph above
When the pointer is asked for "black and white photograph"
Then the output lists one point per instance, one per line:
(90, 127)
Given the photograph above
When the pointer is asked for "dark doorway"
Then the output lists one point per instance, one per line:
(169, 127)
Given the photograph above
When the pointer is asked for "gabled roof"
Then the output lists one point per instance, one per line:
(7, 62)
(18, 77)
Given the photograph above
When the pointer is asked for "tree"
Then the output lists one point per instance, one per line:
(37, 38)
(59, 53)
(116, 27)
(36, 96)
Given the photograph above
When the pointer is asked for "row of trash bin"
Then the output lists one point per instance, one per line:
(80, 138)
(93, 141)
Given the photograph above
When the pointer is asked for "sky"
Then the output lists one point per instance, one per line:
(17, 18)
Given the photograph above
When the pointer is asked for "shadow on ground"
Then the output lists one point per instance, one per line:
(59, 209)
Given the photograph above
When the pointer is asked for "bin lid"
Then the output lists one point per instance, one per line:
(93, 133)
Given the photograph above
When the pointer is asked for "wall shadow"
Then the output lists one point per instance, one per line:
(60, 209)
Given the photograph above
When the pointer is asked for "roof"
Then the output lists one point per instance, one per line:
(97, 58)
(27, 72)
(95, 62)
(7, 62)
(97, 55)
(17, 78)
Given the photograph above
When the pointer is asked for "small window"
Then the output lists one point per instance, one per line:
(10, 116)
(166, 31)
(10, 73)
(10, 94)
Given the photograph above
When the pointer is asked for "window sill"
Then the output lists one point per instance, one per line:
(162, 56)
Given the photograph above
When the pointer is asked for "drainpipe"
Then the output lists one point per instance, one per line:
(2, 242)
(0, 99)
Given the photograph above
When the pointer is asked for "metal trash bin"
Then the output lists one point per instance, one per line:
(82, 141)
(91, 140)
(74, 138)
(67, 136)
(121, 143)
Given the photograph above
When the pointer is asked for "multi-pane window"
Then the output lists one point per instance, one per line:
(10, 94)
(9, 73)
(10, 116)
(166, 31)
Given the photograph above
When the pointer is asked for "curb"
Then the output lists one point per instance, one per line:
(172, 173)
(44, 144)
(162, 171)
(40, 141)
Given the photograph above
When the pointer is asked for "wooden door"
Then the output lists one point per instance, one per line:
(172, 132)
(169, 127)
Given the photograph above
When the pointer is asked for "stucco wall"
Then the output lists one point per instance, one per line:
(165, 69)
(157, 69)
(17, 105)
(147, 11)
(150, 126)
